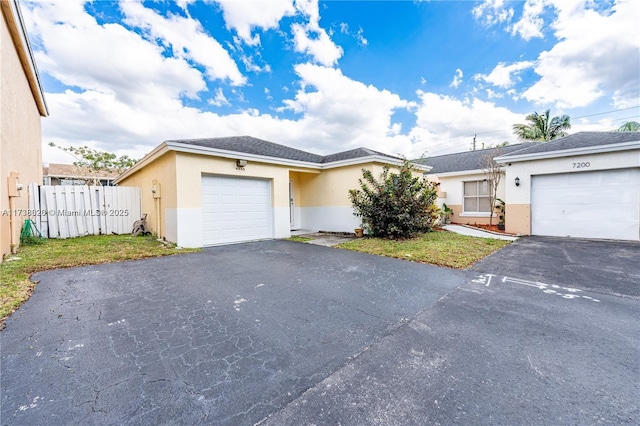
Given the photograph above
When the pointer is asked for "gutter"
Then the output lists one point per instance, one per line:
(17, 29)
(599, 149)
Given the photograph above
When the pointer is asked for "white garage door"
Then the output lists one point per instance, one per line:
(603, 204)
(236, 210)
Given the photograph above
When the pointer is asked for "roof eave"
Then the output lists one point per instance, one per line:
(376, 158)
(458, 173)
(624, 146)
(166, 146)
(157, 152)
(202, 150)
(215, 152)
(18, 32)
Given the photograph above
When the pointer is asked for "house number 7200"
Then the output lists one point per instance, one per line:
(581, 165)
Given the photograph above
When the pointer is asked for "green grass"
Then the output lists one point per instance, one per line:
(15, 286)
(440, 248)
(300, 239)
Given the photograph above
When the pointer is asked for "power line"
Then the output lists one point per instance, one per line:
(510, 130)
(606, 112)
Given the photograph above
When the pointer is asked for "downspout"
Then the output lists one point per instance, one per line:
(155, 190)
(14, 192)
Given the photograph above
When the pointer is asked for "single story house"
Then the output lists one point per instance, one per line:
(464, 187)
(70, 174)
(201, 192)
(584, 185)
(22, 104)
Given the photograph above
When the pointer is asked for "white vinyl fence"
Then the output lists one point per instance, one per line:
(74, 211)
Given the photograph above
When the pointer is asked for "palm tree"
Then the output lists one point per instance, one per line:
(630, 126)
(541, 127)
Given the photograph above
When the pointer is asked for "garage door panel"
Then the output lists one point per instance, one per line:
(600, 204)
(618, 177)
(236, 209)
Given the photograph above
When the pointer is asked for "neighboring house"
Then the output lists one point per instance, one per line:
(22, 105)
(69, 174)
(583, 185)
(463, 184)
(201, 192)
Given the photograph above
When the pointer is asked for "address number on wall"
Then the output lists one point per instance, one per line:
(581, 165)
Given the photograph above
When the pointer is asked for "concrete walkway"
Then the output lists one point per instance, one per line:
(331, 240)
(325, 239)
(474, 232)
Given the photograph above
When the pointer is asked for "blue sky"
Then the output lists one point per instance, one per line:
(401, 77)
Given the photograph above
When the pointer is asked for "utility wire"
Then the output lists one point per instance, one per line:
(510, 130)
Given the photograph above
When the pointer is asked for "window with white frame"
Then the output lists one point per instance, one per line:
(476, 197)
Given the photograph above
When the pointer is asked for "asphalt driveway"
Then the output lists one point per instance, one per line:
(229, 335)
(609, 267)
(288, 333)
(522, 343)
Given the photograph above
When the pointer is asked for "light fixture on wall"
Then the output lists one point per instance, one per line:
(517, 181)
(241, 163)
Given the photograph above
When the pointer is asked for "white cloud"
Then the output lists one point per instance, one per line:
(358, 35)
(503, 75)
(183, 4)
(491, 94)
(187, 39)
(130, 105)
(70, 38)
(341, 111)
(250, 64)
(492, 12)
(597, 52)
(244, 16)
(219, 99)
(530, 23)
(313, 40)
(335, 113)
(316, 43)
(457, 79)
(446, 124)
(586, 64)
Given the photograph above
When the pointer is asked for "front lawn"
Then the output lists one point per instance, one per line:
(440, 248)
(15, 286)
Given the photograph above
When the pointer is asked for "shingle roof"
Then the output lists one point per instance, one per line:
(251, 145)
(468, 160)
(355, 153)
(579, 140)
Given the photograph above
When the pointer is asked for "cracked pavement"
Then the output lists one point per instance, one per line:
(226, 336)
(543, 332)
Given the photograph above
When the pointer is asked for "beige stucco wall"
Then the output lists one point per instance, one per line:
(331, 187)
(191, 167)
(163, 170)
(320, 197)
(180, 176)
(453, 186)
(518, 218)
(20, 133)
(518, 209)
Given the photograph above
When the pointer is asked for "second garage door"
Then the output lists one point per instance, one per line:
(236, 210)
(600, 204)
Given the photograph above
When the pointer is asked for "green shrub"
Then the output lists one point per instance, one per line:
(399, 205)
